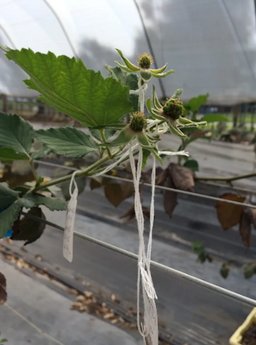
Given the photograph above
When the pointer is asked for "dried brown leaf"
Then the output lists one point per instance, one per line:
(182, 177)
(130, 213)
(169, 197)
(253, 216)
(95, 183)
(3, 293)
(228, 214)
(118, 192)
(161, 177)
(245, 228)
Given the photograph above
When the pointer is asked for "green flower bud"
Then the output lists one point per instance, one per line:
(145, 75)
(145, 61)
(173, 108)
(138, 122)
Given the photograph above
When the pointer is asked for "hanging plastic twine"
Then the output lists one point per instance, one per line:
(68, 236)
(149, 327)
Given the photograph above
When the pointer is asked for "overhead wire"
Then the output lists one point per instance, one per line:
(62, 26)
(7, 35)
(183, 275)
(150, 47)
(164, 188)
(239, 40)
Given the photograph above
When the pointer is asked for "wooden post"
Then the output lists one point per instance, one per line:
(236, 110)
(4, 103)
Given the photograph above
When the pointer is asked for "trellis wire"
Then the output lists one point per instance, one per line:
(179, 191)
(32, 324)
(158, 265)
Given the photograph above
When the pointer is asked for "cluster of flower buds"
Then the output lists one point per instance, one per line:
(138, 122)
(173, 112)
(143, 67)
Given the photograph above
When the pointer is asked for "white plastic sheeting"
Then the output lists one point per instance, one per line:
(211, 44)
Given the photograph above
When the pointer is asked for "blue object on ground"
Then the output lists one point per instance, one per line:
(8, 233)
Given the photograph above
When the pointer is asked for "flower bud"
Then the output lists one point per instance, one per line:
(138, 122)
(145, 61)
(173, 108)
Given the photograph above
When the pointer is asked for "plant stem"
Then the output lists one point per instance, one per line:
(103, 138)
(32, 167)
(84, 172)
(225, 179)
(89, 171)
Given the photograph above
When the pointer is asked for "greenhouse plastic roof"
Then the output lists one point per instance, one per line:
(211, 44)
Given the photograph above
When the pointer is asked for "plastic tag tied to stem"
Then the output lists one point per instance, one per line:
(70, 220)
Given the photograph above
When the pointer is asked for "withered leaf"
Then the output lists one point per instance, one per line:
(161, 177)
(169, 197)
(253, 216)
(170, 202)
(130, 213)
(29, 229)
(182, 177)
(245, 228)
(95, 182)
(3, 293)
(118, 192)
(228, 214)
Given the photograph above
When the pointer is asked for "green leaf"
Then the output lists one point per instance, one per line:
(191, 164)
(8, 217)
(7, 196)
(52, 203)
(195, 103)
(67, 141)
(67, 85)
(10, 155)
(215, 118)
(145, 156)
(16, 137)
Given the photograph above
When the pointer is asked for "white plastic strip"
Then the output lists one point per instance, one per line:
(68, 236)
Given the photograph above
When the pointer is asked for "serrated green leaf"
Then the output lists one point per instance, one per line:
(7, 196)
(195, 103)
(16, 136)
(67, 85)
(67, 141)
(8, 217)
(52, 203)
(7, 155)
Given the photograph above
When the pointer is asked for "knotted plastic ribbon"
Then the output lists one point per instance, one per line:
(70, 219)
(72, 204)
